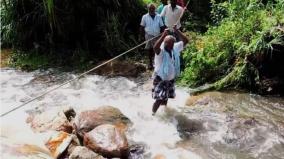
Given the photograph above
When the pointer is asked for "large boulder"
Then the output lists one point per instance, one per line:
(202, 99)
(81, 152)
(50, 120)
(121, 68)
(107, 140)
(9, 149)
(58, 143)
(88, 120)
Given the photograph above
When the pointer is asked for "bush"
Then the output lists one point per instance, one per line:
(220, 56)
(101, 28)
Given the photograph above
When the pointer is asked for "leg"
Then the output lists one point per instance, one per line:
(150, 56)
(164, 102)
(156, 106)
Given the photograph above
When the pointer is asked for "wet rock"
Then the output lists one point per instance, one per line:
(81, 152)
(107, 140)
(201, 99)
(88, 120)
(136, 151)
(188, 127)
(58, 143)
(272, 86)
(69, 113)
(121, 68)
(159, 156)
(50, 120)
(246, 134)
(74, 143)
(11, 150)
(251, 122)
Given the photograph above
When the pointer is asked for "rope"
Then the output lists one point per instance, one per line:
(94, 68)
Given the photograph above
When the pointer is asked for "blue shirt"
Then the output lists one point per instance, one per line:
(160, 8)
(152, 25)
(168, 67)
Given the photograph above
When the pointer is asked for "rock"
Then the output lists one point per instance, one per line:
(58, 143)
(88, 120)
(251, 121)
(192, 100)
(159, 156)
(271, 86)
(121, 68)
(81, 152)
(24, 151)
(50, 120)
(136, 151)
(74, 143)
(188, 127)
(107, 140)
(203, 98)
(69, 113)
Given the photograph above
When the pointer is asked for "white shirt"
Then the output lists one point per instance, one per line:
(152, 26)
(178, 47)
(172, 17)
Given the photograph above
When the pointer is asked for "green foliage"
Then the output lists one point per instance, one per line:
(30, 61)
(152, 1)
(100, 28)
(244, 28)
(7, 25)
(219, 11)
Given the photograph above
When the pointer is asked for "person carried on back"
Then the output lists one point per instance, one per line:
(167, 66)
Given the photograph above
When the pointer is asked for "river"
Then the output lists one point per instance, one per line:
(230, 125)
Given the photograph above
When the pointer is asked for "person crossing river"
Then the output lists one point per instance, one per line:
(167, 67)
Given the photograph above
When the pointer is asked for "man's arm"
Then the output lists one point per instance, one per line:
(163, 13)
(182, 36)
(158, 43)
(142, 28)
(162, 25)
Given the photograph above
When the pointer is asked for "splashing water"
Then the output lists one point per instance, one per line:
(214, 128)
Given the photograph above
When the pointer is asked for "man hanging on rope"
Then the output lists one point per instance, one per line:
(167, 66)
(151, 26)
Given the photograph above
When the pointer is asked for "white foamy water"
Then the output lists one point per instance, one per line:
(91, 92)
(225, 125)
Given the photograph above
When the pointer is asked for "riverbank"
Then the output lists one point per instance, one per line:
(5, 56)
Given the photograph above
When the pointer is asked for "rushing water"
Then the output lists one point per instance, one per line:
(219, 125)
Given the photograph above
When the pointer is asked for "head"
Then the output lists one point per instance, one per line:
(173, 3)
(151, 9)
(169, 42)
(164, 2)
